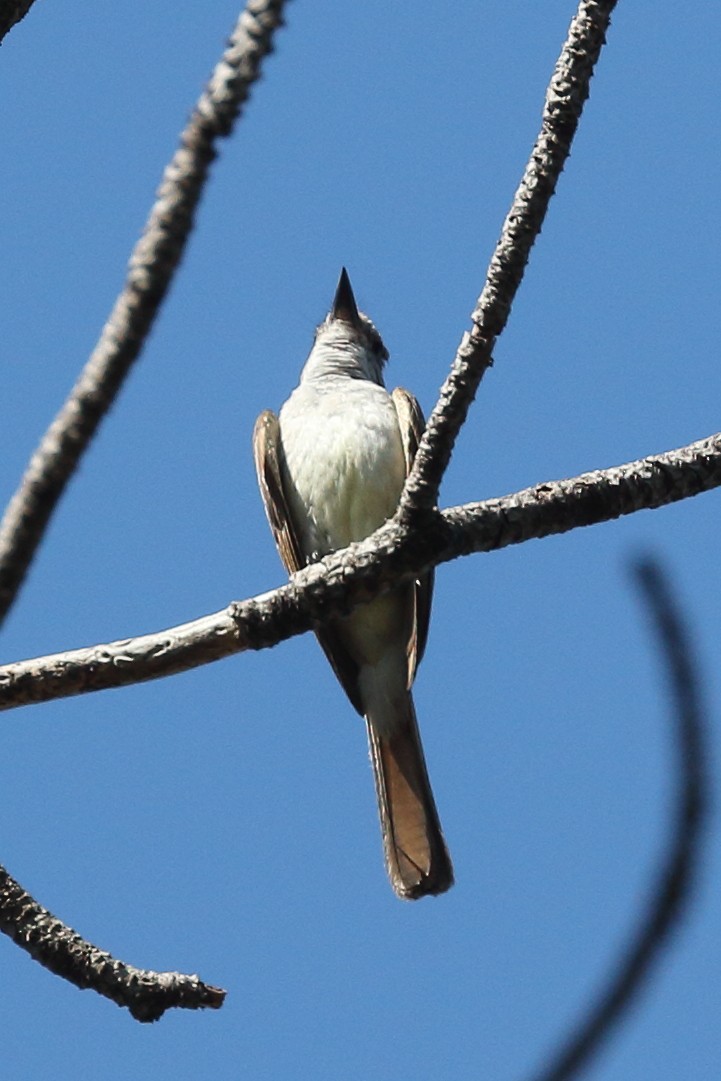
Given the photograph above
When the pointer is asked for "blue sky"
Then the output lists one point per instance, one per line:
(223, 822)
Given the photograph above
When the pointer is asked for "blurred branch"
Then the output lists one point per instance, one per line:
(672, 892)
(357, 574)
(146, 994)
(11, 12)
(565, 98)
(150, 272)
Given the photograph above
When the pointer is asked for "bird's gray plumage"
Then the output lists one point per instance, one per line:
(331, 468)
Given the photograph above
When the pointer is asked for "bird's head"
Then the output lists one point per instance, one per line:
(346, 342)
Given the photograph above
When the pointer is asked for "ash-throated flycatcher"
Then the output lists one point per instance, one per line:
(331, 469)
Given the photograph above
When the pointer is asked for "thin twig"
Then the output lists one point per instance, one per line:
(565, 98)
(152, 265)
(364, 570)
(673, 889)
(146, 994)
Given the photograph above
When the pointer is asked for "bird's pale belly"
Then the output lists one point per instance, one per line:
(348, 482)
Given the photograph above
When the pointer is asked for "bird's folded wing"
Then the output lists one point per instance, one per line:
(267, 452)
(412, 425)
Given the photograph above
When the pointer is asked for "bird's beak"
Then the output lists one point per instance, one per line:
(344, 305)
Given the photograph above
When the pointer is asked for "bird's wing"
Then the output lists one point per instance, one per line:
(267, 452)
(412, 425)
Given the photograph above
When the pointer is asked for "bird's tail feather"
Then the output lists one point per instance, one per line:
(416, 856)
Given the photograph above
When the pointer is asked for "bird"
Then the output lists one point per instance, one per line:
(331, 468)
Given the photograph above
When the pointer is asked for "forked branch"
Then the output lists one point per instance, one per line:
(565, 98)
(358, 573)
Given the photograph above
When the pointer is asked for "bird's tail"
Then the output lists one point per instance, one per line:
(416, 856)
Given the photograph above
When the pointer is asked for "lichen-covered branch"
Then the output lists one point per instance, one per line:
(146, 994)
(348, 578)
(565, 97)
(599, 496)
(150, 272)
(672, 890)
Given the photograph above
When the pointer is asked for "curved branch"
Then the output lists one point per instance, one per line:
(675, 882)
(150, 272)
(146, 994)
(342, 580)
(565, 98)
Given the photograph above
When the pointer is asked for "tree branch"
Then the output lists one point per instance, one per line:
(152, 265)
(58, 948)
(565, 97)
(673, 889)
(150, 272)
(357, 574)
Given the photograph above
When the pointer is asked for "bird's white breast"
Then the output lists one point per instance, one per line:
(343, 461)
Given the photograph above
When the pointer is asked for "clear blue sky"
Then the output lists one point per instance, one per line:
(224, 822)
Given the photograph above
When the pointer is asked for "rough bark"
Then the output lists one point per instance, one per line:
(360, 572)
